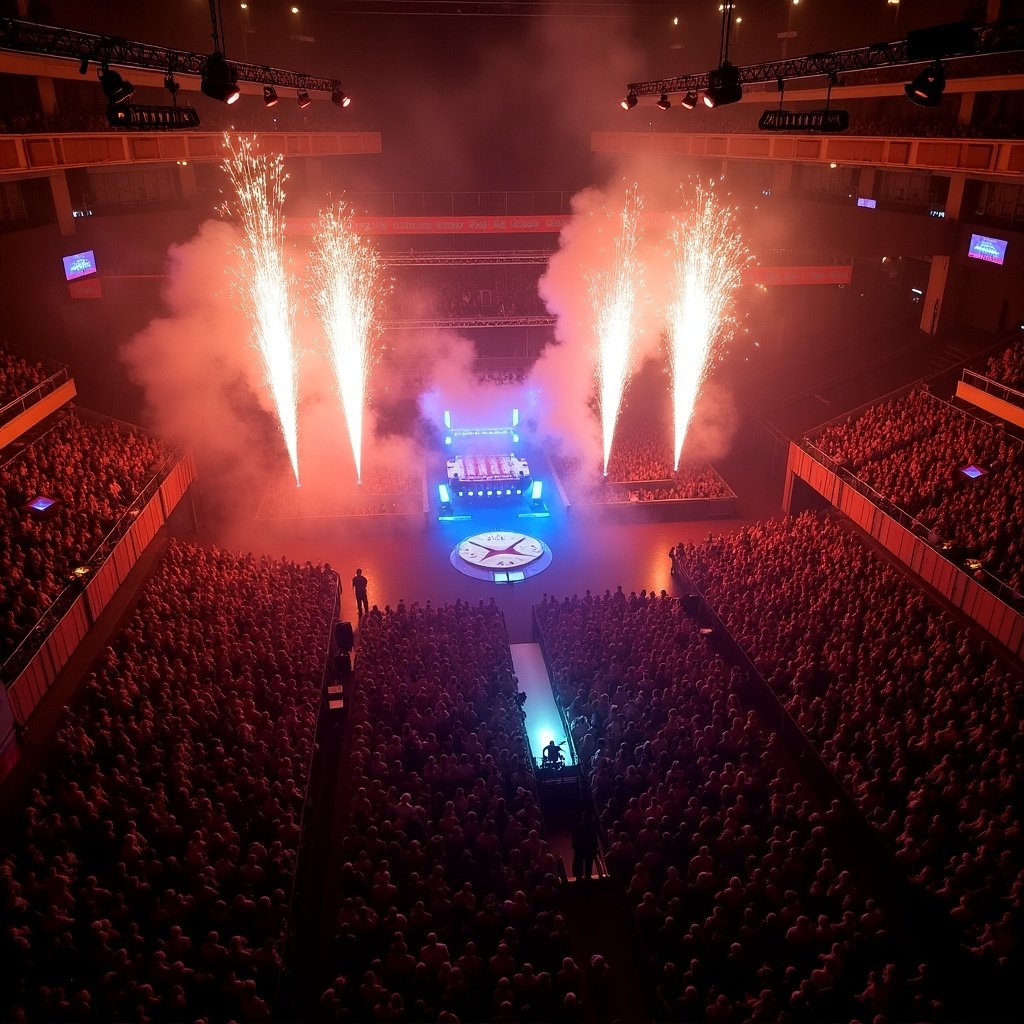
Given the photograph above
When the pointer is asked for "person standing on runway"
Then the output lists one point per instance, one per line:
(359, 584)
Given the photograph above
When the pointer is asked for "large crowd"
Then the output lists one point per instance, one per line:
(150, 874)
(93, 470)
(18, 375)
(1008, 366)
(448, 890)
(910, 450)
(919, 719)
(641, 457)
(744, 907)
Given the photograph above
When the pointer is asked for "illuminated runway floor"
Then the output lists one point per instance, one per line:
(543, 723)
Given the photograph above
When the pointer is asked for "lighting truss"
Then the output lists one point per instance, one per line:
(50, 41)
(466, 322)
(995, 37)
(471, 258)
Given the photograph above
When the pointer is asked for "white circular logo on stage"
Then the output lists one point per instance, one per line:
(500, 550)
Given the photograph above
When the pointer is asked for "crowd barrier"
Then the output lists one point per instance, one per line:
(992, 605)
(35, 664)
(35, 405)
(992, 397)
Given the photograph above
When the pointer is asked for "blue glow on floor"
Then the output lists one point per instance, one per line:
(543, 722)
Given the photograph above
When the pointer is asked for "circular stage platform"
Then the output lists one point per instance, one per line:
(501, 556)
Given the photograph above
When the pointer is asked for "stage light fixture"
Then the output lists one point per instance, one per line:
(723, 86)
(115, 88)
(83, 67)
(664, 102)
(303, 100)
(339, 99)
(269, 96)
(220, 79)
(927, 88)
(629, 102)
(689, 101)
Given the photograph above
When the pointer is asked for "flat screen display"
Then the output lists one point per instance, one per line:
(991, 250)
(973, 471)
(79, 264)
(869, 204)
(40, 504)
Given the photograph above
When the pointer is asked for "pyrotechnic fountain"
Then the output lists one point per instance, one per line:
(613, 297)
(262, 282)
(707, 258)
(347, 274)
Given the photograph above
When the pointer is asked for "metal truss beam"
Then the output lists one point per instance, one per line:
(48, 40)
(490, 258)
(464, 323)
(996, 37)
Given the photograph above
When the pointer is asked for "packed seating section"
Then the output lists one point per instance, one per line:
(448, 889)
(152, 870)
(744, 909)
(918, 718)
(910, 450)
(94, 470)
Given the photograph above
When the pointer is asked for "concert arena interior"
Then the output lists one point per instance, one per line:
(512, 511)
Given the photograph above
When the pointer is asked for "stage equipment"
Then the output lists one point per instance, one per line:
(814, 122)
(723, 86)
(339, 99)
(303, 100)
(269, 96)
(220, 79)
(664, 102)
(927, 88)
(629, 102)
(344, 637)
(115, 88)
(152, 118)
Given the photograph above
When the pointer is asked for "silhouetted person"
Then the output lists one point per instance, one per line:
(359, 584)
(584, 847)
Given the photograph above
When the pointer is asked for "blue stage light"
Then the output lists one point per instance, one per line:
(448, 418)
(444, 494)
(515, 418)
(535, 491)
(448, 439)
(479, 494)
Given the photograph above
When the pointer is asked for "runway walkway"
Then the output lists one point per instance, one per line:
(543, 722)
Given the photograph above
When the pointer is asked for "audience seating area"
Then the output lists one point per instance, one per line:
(150, 874)
(1008, 367)
(94, 469)
(744, 908)
(18, 375)
(917, 718)
(909, 449)
(448, 889)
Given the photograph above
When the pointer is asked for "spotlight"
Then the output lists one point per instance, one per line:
(629, 102)
(339, 99)
(83, 67)
(664, 102)
(926, 89)
(689, 101)
(303, 100)
(115, 88)
(172, 86)
(269, 95)
(219, 79)
(723, 86)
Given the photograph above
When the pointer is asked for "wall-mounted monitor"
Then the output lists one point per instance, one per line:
(79, 264)
(991, 250)
(868, 204)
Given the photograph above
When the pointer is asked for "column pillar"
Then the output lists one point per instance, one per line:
(187, 180)
(937, 308)
(47, 95)
(62, 202)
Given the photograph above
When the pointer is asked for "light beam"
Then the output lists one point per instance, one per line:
(262, 279)
(613, 297)
(707, 257)
(348, 281)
